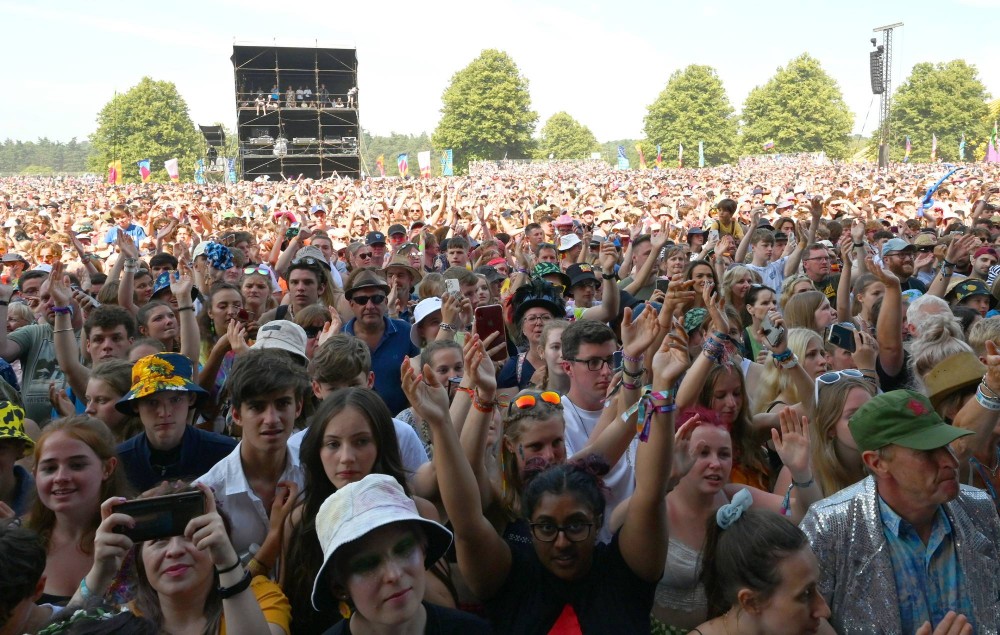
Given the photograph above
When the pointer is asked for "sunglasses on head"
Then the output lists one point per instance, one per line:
(263, 270)
(528, 400)
(832, 377)
(361, 300)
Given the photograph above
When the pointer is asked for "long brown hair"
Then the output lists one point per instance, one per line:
(98, 438)
(746, 451)
(831, 473)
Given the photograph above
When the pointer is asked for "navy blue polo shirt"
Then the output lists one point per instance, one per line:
(387, 357)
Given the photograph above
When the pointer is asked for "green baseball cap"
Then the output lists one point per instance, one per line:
(901, 417)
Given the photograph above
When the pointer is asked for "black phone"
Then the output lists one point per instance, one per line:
(160, 516)
(662, 284)
(772, 333)
(618, 361)
(841, 337)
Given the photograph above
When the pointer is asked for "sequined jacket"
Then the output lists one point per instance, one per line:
(856, 578)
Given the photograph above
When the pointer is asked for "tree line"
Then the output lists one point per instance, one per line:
(43, 156)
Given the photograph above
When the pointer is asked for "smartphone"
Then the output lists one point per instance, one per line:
(618, 361)
(489, 320)
(453, 287)
(662, 284)
(841, 337)
(160, 516)
(773, 334)
(291, 233)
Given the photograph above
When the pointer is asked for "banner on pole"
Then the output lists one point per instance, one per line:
(402, 163)
(642, 157)
(622, 159)
(173, 171)
(701, 154)
(424, 162)
(199, 172)
(115, 172)
(231, 164)
(448, 163)
(680, 155)
(659, 157)
(144, 170)
(380, 164)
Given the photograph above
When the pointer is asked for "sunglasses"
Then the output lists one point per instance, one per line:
(263, 270)
(312, 331)
(832, 377)
(362, 300)
(529, 400)
(367, 256)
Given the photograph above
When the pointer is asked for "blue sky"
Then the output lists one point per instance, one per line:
(602, 62)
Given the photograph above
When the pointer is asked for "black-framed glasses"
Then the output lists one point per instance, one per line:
(549, 532)
(361, 300)
(596, 363)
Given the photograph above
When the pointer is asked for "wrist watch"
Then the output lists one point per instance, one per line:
(609, 276)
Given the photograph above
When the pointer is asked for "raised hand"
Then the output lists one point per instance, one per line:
(208, 533)
(961, 248)
(181, 282)
(479, 367)
(883, 274)
(426, 395)
(684, 454)
(110, 547)
(865, 350)
(126, 245)
(792, 444)
(672, 360)
(59, 285)
(639, 334)
(716, 306)
(608, 257)
(60, 401)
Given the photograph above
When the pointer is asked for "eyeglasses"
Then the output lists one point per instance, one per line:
(263, 270)
(529, 400)
(549, 532)
(312, 331)
(596, 363)
(902, 255)
(832, 377)
(362, 300)
(533, 319)
(820, 258)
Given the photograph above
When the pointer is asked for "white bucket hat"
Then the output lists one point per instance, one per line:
(424, 308)
(357, 509)
(283, 335)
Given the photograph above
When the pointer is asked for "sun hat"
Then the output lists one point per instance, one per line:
(401, 262)
(564, 220)
(357, 509)
(965, 288)
(491, 273)
(424, 308)
(543, 269)
(283, 335)
(952, 374)
(568, 241)
(157, 373)
(363, 278)
(901, 417)
(694, 318)
(12, 425)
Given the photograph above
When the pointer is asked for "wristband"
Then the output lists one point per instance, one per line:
(804, 485)
(945, 263)
(444, 326)
(859, 245)
(84, 591)
(63, 310)
(609, 276)
(629, 386)
(469, 391)
(989, 404)
(789, 363)
(227, 592)
(628, 373)
(228, 569)
(989, 392)
(634, 360)
(185, 308)
(784, 356)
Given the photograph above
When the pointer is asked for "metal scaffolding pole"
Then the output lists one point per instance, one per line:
(885, 111)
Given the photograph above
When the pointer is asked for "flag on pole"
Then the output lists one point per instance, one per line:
(680, 155)
(961, 148)
(622, 159)
(701, 154)
(659, 157)
(769, 145)
(993, 150)
(231, 164)
(933, 147)
(402, 163)
(115, 172)
(199, 171)
(380, 164)
(642, 157)
(144, 170)
(909, 148)
(424, 161)
(172, 170)
(448, 163)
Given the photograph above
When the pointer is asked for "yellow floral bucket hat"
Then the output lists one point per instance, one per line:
(158, 373)
(12, 425)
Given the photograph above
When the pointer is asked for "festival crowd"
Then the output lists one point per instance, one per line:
(542, 398)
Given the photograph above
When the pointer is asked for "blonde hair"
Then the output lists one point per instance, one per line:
(831, 473)
(774, 381)
(800, 310)
(940, 338)
(789, 284)
(981, 332)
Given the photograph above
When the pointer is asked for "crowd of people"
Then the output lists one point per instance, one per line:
(542, 398)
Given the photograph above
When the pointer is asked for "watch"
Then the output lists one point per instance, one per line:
(609, 276)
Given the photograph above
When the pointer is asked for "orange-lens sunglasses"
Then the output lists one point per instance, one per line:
(530, 400)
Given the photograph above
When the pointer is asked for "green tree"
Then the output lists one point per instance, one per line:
(693, 107)
(486, 112)
(801, 109)
(946, 100)
(150, 121)
(565, 138)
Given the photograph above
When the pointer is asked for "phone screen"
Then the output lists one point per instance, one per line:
(489, 320)
(160, 516)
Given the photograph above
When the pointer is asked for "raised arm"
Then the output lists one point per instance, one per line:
(130, 256)
(958, 252)
(611, 297)
(480, 380)
(483, 556)
(741, 250)
(67, 347)
(890, 321)
(181, 283)
(795, 258)
(844, 295)
(643, 538)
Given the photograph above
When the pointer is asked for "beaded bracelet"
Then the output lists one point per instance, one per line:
(480, 406)
(808, 483)
(634, 360)
(629, 373)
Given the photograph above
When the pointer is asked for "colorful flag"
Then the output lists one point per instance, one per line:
(622, 159)
(701, 154)
(769, 145)
(961, 148)
(933, 147)
(659, 157)
(680, 155)
(172, 170)
(448, 163)
(402, 163)
(909, 148)
(232, 170)
(199, 171)
(115, 172)
(424, 161)
(993, 150)
(642, 157)
(380, 164)
(144, 170)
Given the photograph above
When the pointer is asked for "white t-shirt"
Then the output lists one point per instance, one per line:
(620, 481)
(772, 274)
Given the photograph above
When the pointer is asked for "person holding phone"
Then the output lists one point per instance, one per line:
(192, 579)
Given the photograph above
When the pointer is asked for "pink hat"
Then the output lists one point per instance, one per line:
(565, 219)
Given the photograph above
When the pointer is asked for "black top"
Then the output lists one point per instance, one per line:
(610, 598)
(440, 621)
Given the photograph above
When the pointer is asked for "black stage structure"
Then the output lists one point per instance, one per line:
(297, 112)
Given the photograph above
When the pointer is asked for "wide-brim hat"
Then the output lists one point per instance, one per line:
(12, 425)
(364, 278)
(162, 283)
(400, 262)
(952, 374)
(568, 241)
(543, 269)
(964, 288)
(158, 373)
(357, 509)
(539, 294)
